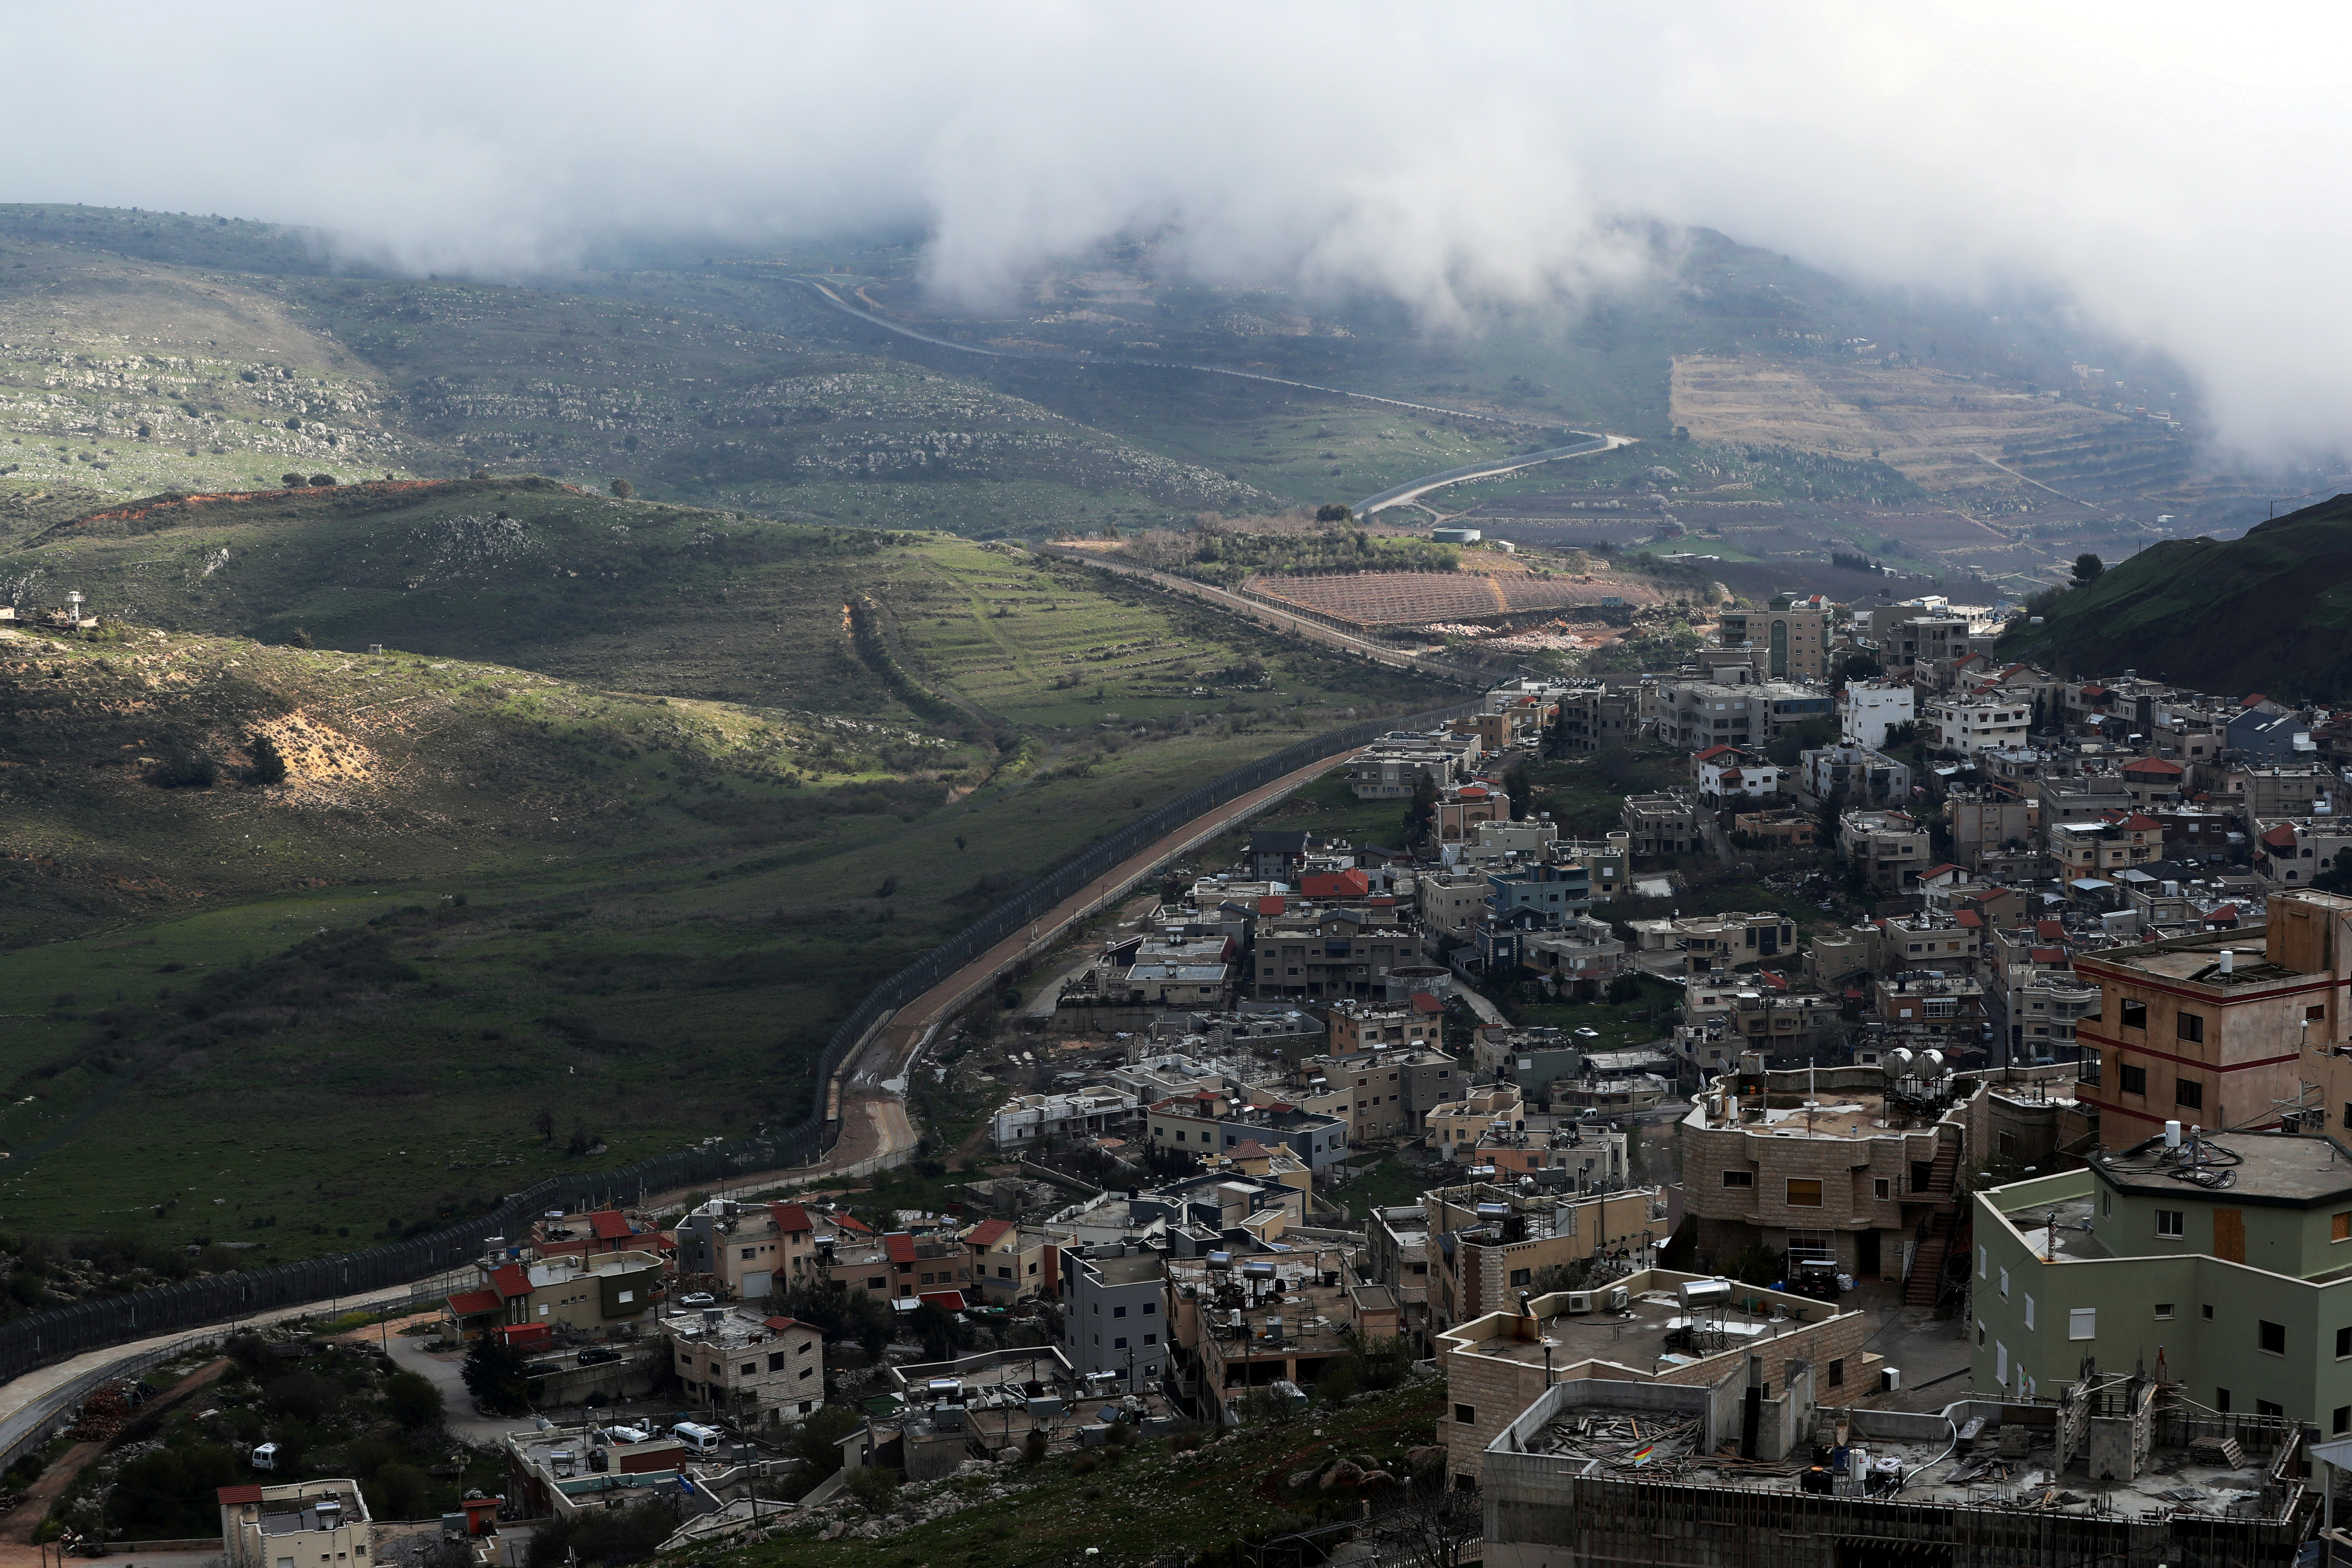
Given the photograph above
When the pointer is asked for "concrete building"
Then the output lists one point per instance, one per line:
(1456, 1126)
(748, 1248)
(1596, 1471)
(1245, 1323)
(1793, 635)
(1853, 774)
(595, 1293)
(1973, 726)
(1726, 776)
(1867, 712)
(1498, 1364)
(296, 1525)
(1660, 825)
(2219, 1264)
(1031, 1120)
(1486, 1245)
(754, 1368)
(1695, 944)
(1888, 848)
(2207, 1029)
(1112, 1321)
(1328, 954)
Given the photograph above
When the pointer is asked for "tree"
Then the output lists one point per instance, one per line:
(480, 474)
(291, 481)
(1623, 989)
(816, 1442)
(623, 488)
(324, 481)
(1432, 1524)
(2087, 568)
(495, 1374)
(301, 638)
(412, 1399)
(1421, 816)
(1862, 667)
(1521, 787)
(268, 763)
(1335, 513)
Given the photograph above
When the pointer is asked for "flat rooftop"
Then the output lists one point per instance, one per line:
(1655, 1335)
(2284, 1167)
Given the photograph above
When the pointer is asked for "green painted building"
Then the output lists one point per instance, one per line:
(2225, 1264)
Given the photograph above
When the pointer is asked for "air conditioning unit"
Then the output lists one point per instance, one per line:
(1579, 1300)
(1620, 1298)
(1890, 1378)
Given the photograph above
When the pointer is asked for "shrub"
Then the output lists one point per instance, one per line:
(874, 1487)
(623, 488)
(324, 481)
(291, 481)
(268, 763)
(185, 770)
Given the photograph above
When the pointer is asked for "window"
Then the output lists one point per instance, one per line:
(1739, 1178)
(2131, 1079)
(2271, 1337)
(2004, 1284)
(2029, 1311)
(2164, 1311)
(2172, 1222)
(2342, 1421)
(2188, 1094)
(2135, 1015)
(1519, 1275)
(2081, 1322)
(2221, 1400)
(2208, 1312)
(1982, 1256)
(1837, 1372)
(2189, 1026)
(1120, 1344)
(1980, 1333)
(1882, 1189)
(1804, 1193)
(775, 1361)
(2263, 1406)
(2106, 1205)
(1465, 1415)
(2339, 1226)
(1118, 1311)
(1149, 1308)
(2087, 1070)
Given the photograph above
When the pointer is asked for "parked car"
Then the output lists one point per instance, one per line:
(699, 1299)
(597, 1355)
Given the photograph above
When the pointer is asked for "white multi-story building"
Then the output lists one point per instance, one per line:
(1972, 727)
(1866, 712)
(1029, 1119)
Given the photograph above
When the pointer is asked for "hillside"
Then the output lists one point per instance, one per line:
(2271, 611)
(489, 901)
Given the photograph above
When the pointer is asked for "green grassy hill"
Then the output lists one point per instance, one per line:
(2271, 611)
(488, 901)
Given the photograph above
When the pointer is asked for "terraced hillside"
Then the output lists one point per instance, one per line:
(482, 892)
(2271, 611)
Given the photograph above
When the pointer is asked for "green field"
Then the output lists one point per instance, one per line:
(489, 907)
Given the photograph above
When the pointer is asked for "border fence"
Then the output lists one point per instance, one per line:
(61, 1332)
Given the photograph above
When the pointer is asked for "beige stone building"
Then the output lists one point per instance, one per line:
(1498, 1364)
(754, 1369)
(1486, 1244)
(302, 1524)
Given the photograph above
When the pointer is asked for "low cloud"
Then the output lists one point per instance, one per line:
(2171, 172)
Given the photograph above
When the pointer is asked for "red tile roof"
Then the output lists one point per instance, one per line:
(2054, 930)
(898, 1246)
(2047, 954)
(1939, 870)
(1714, 751)
(1273, 904)
(232, 1496)
(988, 1232)
(2252, 698)
(1249, 1149)
(1424, 1002)
(2146, 765)
(790, 1217)
(466, 1304)
(1349, 884)
(2280, 838)
(851, 1223)
(513, 1279)
(609, 1224)
(778, 1325)
(1969, 918)
(948, 1300)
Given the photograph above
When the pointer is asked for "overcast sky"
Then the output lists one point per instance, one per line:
(2177, 171)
